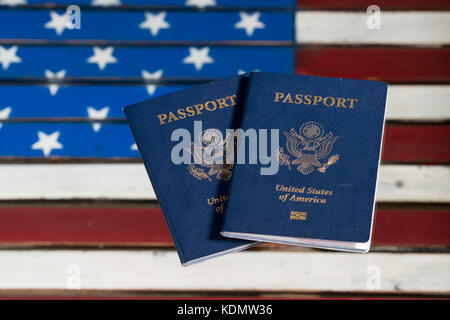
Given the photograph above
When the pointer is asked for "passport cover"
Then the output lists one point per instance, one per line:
(191, 196)
(330, 134)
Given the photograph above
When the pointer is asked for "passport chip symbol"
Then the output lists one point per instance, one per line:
(298, 215)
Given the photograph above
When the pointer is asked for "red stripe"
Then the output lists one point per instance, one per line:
(72, 225)
(397, 65)
(411, 228)
(146, 226)
(383, 4)
(417, 143)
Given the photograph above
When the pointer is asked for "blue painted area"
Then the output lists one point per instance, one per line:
(77, 140)
(125, 25)
(228, 3)
(132, 60)
(73, 101)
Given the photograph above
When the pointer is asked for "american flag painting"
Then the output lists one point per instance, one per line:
(75, 201)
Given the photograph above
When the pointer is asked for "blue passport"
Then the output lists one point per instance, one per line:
(170, 132)
(322, 146)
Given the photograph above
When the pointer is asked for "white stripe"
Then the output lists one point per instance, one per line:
(404, 183)
(418, 103)
(262, 271)
(398, 183)
(399, 27)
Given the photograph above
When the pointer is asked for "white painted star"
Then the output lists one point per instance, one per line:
(148, 75)
(54, 76)
(201, 3)
(154, 22)
(47, 142)
(96, 115)
(198, 57)
(134, 147)
(102, 57)
(12, 3)
(249, 22)
(58, 22)
(4, 114)
(105, 3)
(8, 56)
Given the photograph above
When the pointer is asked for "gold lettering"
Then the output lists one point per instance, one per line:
(181, 113)
(232, 99)
(352, 101)
(172, 117)
(298, 98)
(190, 111)
(316, 100)
(222, 103)
(341, 102)
(161, 118)
(332, 103)
(307, 99)
(288, 97)
(199, 107)
(208, 108)
(278, 96)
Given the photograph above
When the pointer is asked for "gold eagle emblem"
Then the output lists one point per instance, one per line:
(205, 169)
(308, 146)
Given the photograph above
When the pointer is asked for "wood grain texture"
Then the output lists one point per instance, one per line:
(418, 103)
(394, 65)
(223, 295)
(102, 25)
(103, 226)
(397, 183)
(396, 28)
(256, 271)
(131, 61)
(176, 4)
(402, 143)
(417, 143)
(383, 4)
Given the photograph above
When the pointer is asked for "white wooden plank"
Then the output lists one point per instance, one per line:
(399, 27)
(74, 181)
(418, 103)
(397, 183)
(261, 271)
(405, 183)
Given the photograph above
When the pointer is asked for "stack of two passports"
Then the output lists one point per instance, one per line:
(312, 184)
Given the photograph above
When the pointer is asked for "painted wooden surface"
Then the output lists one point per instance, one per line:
(383, 4)
(129, 62)
(103, 25)
(145, 226)
(94, 204)
(397, 28)
(402, 143)
(256, 271)
(397, 183)
(395, 65)
(418, 103)
(411, 143)
(177, 4)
